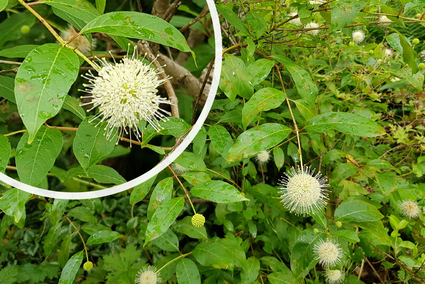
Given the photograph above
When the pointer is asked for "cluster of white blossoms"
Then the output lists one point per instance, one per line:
(303, 192)
(148, 275)
(410, 209)
(125, 93)
(81, 42)
(328, 253)
(312, 25)
(334, 276)
(263, 157)
(296, 21)
(358, 36)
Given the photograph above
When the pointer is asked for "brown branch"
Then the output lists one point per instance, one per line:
(374, 270)
(203, 14)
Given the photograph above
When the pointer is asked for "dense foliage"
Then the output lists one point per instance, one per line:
(308, 169)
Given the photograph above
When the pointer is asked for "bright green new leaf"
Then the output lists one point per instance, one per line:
(163, 217)
(257, 139)
(5, 150)
(138, 25)
(347, 235)
(357, 211)
(104, 236)
(100, 5)
(348, 123)
(250, 273)
(218, 191)
(3, 4)
(187, 272)
(71, 268)
(13, 203)
(235, 79)
(82, 213)
(38, 93)
(220, 139)
(263, 100)
(344, 14)
(34, 161)
(232, 18)
(256, 22)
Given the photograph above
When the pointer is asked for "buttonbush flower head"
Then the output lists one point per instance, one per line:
(303, 192)
(88, 265)
(296, 21)
(125, 93)
(358, 36)
(310, 26)
(410, 209)
(334, 276)
(198, 220)
(388, 52)
(81, 42)
(328, 253)
(263, 157)
(148, 276)
(384, 19)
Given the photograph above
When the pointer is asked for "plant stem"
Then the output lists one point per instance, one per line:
(181, 256)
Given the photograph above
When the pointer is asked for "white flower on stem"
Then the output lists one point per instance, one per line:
(384, 20)
(296, 21)
(388, 52)
(303, 192)
(328, 253)
(312, 25)
(263, 157)
(125, 93)
(334, 276)
(410, 209)
(81, 42)
(358, 36)
(148, 275)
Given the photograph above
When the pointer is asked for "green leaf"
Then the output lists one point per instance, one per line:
(34, 161)
(71, 268)
(347, 235)
(38, 94)
(56, 211)
(235, 78)
(281, 278)
(303, 82)
(302, 257)
(394, 41)
(191, 162)
(80, 9)
(387, 182)
(263, 100)
(279, 157)
(259, 70)
(320, 218)
(167, 241)
(199, 141)
(104, 236)
(53, 237)
(250, 273)
(73, 105)
(7, 88)
(220, 139)
(163, 217)
(82, 213)
(357, 211)
(187, 272)
(64, 251)
(409, 55)
(100, 5)
(232, 18)
(345, 13)
(348, 123)
(185, 227)
(341, 172)
(306, 111)
(257, 139)
(138, 25)
(140, 191)
(218, 191)
(161, 193)
(104, 174)
(417, 81)
(256, 22)
(8, 274)
(20, 51)
(90, 143)
(13, 203)
(5, 150)
(3, 5)
(11, 27)
(172, 126)
(195, 178)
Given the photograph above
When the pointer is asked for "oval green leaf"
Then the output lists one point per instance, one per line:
(235, 78)
(5, 150)
(80, 9)
(13, 203)
(257, 139)
(104, 236)
(34, 161)
(348, 123)
(218, 191)
(104, 174)
(187, 272)
(220, 139)
(161, 193)
(82, 213)
(140, 26)
(344, 14)
(140, 191)
(39, 95)
(190, 161)
(71, 268)
(167, 241)
(357, 211)
(163, 217)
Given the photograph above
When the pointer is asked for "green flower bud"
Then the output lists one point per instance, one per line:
(415, 41)
(351, 43)
(315, 231)
(25, 29)
(338, 224)
(88, 266)
(198, 220)
(421, 66)
(371, 52)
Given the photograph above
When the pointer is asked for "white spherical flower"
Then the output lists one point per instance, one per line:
(81, 42)
(410, 209)
(125, 93)
(148, 276)
(334, 276)
(178, 169)
(388, 52)
(384, 20)
(263, 157)
(328, 253)
(358, 36)
(296, 21)
(312, 25)
(303, 192)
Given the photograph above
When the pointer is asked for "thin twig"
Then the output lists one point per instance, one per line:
(203, 14)
(374, 270)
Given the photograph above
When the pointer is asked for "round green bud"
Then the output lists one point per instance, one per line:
(371, 52)
(338, 224)
(415, 41)
(421, 66)
(198, 220)
(88, 266)
(315, 231)
(351, 43)
(25, 29)
(418, 15)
